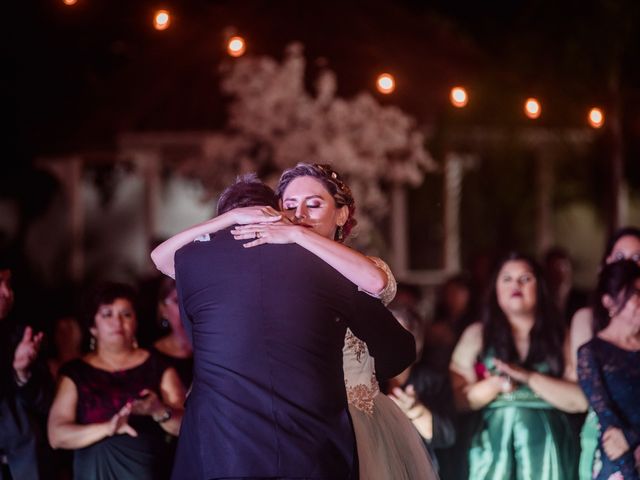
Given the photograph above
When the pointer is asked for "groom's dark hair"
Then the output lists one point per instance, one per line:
(247, 191)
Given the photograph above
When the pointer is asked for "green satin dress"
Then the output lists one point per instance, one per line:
(589, 436)
(522, 437)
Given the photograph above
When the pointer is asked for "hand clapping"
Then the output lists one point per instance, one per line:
(407, 400)
(518, 374)
(148, 403)
(25, 354)
(119, 423)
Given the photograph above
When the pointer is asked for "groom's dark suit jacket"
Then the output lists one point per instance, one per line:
(268, 396)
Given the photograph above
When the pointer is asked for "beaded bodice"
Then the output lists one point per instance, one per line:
(359, 366)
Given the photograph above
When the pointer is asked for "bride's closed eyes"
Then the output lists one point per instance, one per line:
(309, 203)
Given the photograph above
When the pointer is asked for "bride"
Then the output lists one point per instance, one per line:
(319, 214)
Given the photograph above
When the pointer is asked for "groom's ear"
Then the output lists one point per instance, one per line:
(343, 215)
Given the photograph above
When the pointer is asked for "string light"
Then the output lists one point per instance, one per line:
(385, 83)
(236, 46)
(532, 108)
(596, 117)
(458, 97)
(161, 20)
(69, 2)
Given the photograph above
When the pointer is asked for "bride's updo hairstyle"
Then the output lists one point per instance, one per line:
(332, 182)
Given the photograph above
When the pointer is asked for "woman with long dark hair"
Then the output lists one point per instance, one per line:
(510, 367)
(609, 369)
(623, 244)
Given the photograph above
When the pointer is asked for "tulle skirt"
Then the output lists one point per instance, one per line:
(389, 447)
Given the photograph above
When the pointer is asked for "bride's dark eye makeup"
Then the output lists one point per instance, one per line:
(313, 203)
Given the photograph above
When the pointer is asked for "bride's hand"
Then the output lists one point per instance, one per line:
(280, 232)
(251, 215)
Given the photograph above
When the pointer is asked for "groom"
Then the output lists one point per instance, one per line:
(268, 324)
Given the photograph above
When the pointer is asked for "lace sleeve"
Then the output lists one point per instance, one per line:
(591, 381)
(389, 291)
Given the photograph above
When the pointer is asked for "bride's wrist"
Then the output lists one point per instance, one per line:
(300, 233)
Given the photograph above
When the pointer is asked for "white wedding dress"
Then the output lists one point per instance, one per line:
(389, 447)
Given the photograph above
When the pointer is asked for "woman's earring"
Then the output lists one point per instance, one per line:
(134, 344)
(340, 233)
(164, 324)
(92, 343)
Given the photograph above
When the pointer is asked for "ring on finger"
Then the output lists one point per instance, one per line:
(258, 235)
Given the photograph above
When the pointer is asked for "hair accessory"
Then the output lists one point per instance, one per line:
(333, 175)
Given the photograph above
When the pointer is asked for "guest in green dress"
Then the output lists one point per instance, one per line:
(511, 367)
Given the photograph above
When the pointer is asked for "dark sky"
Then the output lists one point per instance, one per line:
(80, 74)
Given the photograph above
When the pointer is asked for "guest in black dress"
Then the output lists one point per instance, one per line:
(423, 392)
(175, 347)
(115, 406)
(609, 370)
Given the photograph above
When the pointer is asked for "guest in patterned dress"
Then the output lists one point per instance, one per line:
(318, 212)
(510, 367)
(115, 405)
(609, 370)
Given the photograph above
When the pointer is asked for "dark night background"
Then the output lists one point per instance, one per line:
(76, 76)
(82, 73)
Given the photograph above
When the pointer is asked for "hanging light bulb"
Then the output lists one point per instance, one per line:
(161, 20)
(532, 108)
(596, 117)
(385, 83)
(236, 46)
(459, 97)
(69, 2)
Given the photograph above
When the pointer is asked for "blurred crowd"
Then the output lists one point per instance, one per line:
(516, 372)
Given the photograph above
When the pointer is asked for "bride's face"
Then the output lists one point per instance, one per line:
(306, 202)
